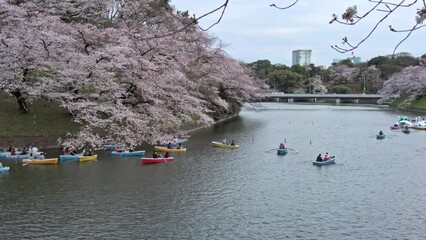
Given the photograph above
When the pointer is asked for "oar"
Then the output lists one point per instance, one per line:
(25, 164)
(293, 150)
(271, 149)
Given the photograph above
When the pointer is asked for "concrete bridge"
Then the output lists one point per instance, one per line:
(326, 98)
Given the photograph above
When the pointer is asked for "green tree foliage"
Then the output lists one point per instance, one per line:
(302, 71)
(339, 89)
(285, 80)
(378, 61)
(261, 68)
(314, 71)
(347, 62)
(389, 66)
(325, 75)
(405, 61)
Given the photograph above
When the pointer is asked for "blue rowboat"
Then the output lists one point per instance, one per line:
(378, 136)
(113, 146)
(128, 153)
(282, 151)
(4, 169)
(69, 157)
(18, 155)
(332, 160)
(175, 142)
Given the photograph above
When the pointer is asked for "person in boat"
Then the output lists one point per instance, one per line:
(326, 156)
(169, 146)
(224, 141)
(88, 153)
(282, 146)
(1, 165)
(166, 155)
(34, 150)
(155, 155)
(319, 158)
(84, 152)
(232, 142)
(179, 146)
(74, 151)
(13, 152)
(380, 133)
(406, 128)
(41, 156)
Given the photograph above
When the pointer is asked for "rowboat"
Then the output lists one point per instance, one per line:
(4, 169)
(88, 158)
(16, 156)
(282, 151)
(332, 160)
(19, 155)
(47, 161)
(112, 146)
(165, 149)
(156, 160)
(395, 127)
(175, 142)
(378, 136)
(420, 125)
(69, 157)
(128, 153)
(221, 145)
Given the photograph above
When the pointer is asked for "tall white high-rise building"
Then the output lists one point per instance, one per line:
(302, 57)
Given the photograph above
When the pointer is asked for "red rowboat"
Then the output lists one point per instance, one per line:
(395, 127)
(156, 160)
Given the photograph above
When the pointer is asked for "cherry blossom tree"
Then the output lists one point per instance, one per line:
(411, 81)
(128, 71)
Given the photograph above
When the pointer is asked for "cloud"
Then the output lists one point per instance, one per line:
(255, 31)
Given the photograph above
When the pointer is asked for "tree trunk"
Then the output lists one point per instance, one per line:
(23, 107)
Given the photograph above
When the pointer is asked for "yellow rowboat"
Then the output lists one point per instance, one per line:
(88, 158)
(165, 149)
(221, 145)
(47, 161)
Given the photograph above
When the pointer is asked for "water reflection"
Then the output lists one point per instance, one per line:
(375, 190)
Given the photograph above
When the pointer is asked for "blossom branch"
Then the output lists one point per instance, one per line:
(350, 17)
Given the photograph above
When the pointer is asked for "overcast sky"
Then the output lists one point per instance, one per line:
(253, 30)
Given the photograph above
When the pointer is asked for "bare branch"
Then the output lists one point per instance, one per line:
(194, 21)
(391, 9)
(405, 38)
(45, 48)
(283, 8)
(4, 42)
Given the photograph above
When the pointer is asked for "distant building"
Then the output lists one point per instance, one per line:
(354, 60)
(302, 57)
(400, 54)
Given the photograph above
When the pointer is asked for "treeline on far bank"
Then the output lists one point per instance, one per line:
(342, 77)
(345, 77)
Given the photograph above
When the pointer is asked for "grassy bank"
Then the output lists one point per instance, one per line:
(418, 104)
(45, 122)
